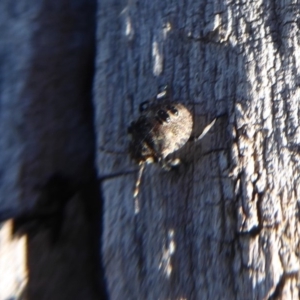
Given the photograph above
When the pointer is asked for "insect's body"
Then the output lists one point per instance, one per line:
(162, 128)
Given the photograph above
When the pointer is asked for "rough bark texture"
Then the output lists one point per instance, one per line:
(226, 225)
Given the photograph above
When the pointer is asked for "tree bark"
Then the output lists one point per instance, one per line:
(226, 225)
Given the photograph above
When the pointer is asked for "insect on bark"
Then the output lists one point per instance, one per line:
(162, 128)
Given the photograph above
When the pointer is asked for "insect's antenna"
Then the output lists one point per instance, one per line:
(137, 187)
(206, 130)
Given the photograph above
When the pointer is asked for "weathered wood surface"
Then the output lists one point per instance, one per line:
(226, 226)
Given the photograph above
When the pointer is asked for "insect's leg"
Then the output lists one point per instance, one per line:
(137, 188)
(204, 132)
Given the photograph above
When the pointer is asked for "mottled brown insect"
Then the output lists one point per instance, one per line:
(162, 128)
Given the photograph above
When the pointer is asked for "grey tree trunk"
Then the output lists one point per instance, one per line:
(226, 225)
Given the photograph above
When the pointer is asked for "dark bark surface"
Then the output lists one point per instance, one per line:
(47, 58)
(47, 173)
